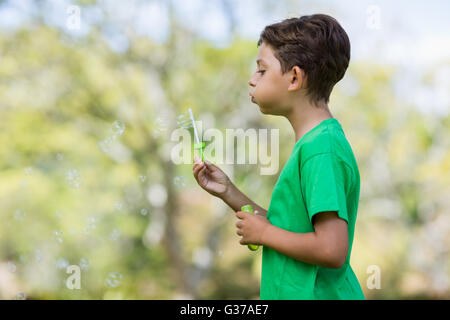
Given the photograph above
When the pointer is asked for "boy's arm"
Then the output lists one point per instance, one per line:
(235, 199)
(216, 182)
(327, 246)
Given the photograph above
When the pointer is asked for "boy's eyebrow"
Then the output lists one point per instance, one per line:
(262, 62)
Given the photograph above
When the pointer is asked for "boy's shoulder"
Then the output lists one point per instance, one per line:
(329, 138)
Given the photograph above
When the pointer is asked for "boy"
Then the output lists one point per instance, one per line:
(307, 232)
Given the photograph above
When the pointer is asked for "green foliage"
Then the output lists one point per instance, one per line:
(60, 99)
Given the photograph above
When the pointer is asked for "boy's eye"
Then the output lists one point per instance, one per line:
(261, 71)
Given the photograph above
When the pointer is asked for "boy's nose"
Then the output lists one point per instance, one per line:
(251, 83)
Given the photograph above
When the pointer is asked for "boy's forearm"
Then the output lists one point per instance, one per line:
(235, 199)
(306, 247)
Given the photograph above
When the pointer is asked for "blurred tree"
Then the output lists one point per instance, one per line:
(87, 178)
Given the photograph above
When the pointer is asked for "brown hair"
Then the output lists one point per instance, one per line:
(315, 43)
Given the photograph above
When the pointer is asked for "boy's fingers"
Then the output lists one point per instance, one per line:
(196, 165)
(201, 175)
(208, 164)
(211, 166)
(197, 170)
(201, 172)
(240, 214)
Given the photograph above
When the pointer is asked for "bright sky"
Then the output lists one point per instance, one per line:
(413, 35)
(419, 27)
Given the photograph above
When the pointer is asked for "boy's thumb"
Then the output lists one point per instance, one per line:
(208, 164)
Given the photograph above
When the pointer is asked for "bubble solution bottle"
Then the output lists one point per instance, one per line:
(248, 208)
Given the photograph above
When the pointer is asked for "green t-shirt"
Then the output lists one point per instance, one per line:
(321, 174)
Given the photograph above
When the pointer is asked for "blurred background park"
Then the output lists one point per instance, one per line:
(89, 96)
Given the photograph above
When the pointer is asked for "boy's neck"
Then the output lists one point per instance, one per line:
(305, 116)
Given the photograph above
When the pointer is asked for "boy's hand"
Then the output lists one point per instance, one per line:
(210, 177)
(251, 227)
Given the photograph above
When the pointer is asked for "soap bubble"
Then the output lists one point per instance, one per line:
(73, 178)
(20, 296)
(184, 121)
(62, 263)
(105, 145)
(179, 181)
(114, 235)
(59, 156)
(58, 236)
(142, 177)
(91, 224)
(84, 263)
(22, 258)
(119, 205)
(23, 183)
(91, 221)
(160, 126)
(118, 128)
(144, 211)
(39, 255)
(28, 171)
(12, 267)
(113, 280)
(19, 215)
(58, 214)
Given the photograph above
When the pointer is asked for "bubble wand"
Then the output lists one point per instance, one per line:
(198, 145)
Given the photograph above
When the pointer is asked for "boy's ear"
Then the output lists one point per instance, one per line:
(297, 78)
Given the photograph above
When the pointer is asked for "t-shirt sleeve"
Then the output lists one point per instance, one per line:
(323, 183)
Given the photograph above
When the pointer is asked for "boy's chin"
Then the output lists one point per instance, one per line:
(262, 110)
(269, 111)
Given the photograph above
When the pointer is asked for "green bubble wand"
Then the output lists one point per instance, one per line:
(200, 146)
(197, 145)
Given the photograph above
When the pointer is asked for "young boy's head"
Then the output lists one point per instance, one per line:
(299, 59)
